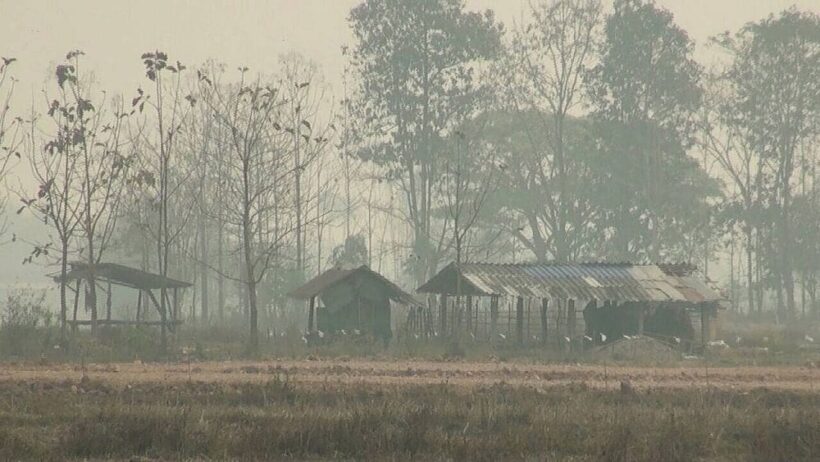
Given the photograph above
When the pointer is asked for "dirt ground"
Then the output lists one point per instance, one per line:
(399, 373)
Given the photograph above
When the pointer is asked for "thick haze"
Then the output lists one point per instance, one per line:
(249, 32)
(114, 34)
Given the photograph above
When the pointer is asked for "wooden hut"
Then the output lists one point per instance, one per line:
(356, 299)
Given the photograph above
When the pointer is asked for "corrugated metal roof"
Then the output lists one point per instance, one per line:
(580, 281)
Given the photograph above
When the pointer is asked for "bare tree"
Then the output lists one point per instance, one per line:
(549, 57)
(250, 110)
(170, 109)
(11, 134)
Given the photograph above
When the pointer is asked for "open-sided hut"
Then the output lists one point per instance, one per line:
(352, 299)
(149, 287)
(573, 302)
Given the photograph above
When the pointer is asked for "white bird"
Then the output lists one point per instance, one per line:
(357, 332)
(567, 339)
(603, 337)
(344, 332)
(503, 337)
(587, 338)
(627, 337)
(808, 338)
(321, 334)
(304, 339)
(677, 339)
(718, 343)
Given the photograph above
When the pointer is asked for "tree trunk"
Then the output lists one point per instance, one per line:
(203, 273)
(63, 301)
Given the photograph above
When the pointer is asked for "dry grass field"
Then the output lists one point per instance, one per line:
(406, 410)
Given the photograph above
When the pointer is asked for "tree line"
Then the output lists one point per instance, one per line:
(578, 134)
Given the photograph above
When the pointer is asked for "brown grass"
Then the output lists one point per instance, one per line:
(406, 410)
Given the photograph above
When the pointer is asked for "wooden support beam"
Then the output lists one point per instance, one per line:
(139, 303)
(176, 305)
(571, 318)
(442, 312)
(469, 314)
(311, 308)
(108, 302)
(544, 322)
(493, 317)
(77, 299)
(163, 320)
(519, 320)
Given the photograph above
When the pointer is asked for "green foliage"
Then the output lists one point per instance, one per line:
(25, 323)
(353, 253)
(645, 92)
(416, 63)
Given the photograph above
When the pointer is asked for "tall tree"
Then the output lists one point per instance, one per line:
(549, 57)
(645, 92)
(415, 65)
(775, 84)
(169, 111)
(256, 170)
(11, 134)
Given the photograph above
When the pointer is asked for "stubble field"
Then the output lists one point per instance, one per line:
(401, 410)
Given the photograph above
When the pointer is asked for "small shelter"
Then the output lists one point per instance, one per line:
(615, 300)
(107, 275)
(352, 299)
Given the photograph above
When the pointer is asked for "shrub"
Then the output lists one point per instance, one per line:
(25, 323)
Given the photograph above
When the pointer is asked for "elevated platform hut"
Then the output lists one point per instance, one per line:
(148, 286)
(570, 304)
(357, 299)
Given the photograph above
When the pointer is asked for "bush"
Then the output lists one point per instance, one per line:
(25, 323)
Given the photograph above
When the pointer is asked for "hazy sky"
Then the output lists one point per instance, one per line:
(114, 33)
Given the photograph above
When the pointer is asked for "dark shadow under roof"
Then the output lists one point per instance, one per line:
(123, 276)
(333, 276)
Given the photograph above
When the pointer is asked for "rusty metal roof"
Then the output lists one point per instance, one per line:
(580, 281)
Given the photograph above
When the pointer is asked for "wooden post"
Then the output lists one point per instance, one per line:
(469, 314)
(442, 312)
(705, 331)
(528, 330)
(571, 319)
(311, 308)
(493, 317)
(139, 303)
(544, 305)
(108, 303)
(519, 320)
